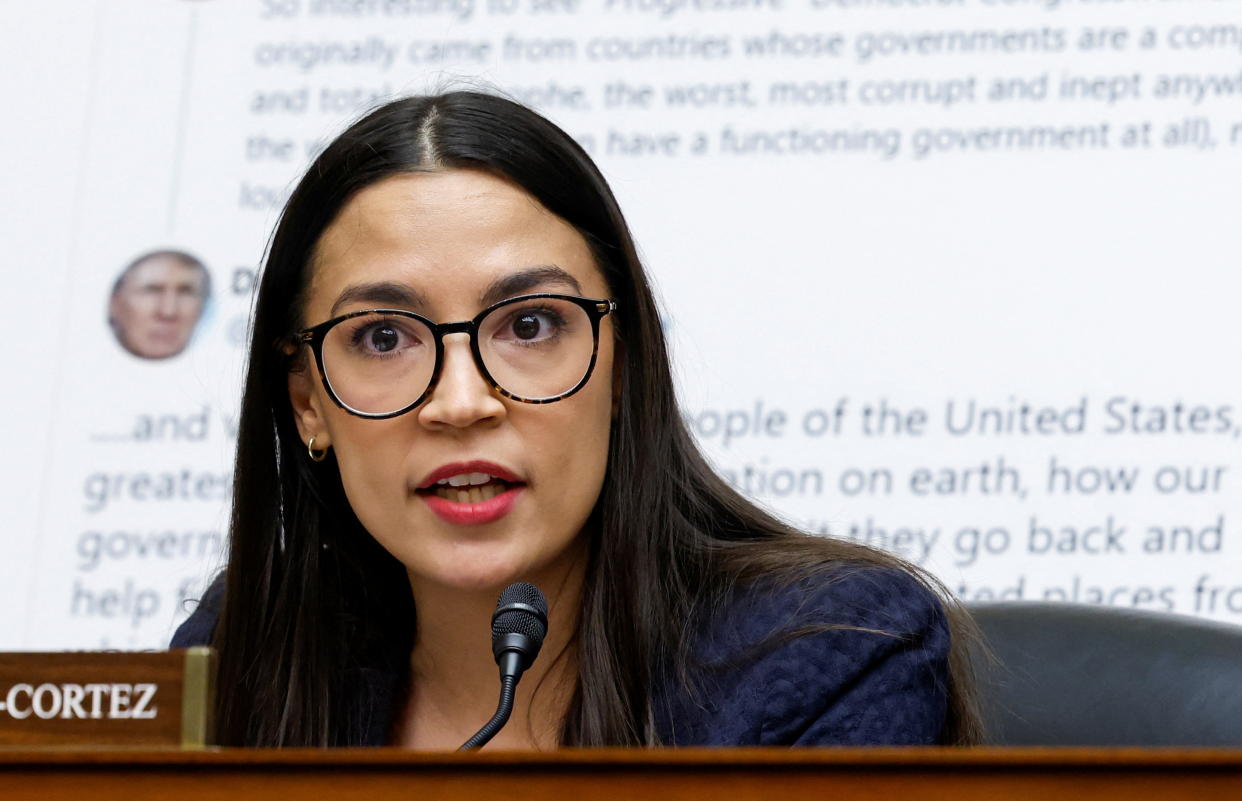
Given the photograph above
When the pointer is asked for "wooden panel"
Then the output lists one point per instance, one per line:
(110, 698)
(887, 774)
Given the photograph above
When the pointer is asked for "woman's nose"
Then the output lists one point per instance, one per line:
(461, 397)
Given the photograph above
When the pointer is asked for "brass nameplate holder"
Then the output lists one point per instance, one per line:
(127, 699)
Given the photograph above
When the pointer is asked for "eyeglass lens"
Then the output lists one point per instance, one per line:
(380, 363)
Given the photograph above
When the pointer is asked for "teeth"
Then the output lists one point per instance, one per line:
(465, 480)
(471, 494)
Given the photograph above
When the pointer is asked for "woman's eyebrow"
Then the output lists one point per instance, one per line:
(384, 293)
(526, 280)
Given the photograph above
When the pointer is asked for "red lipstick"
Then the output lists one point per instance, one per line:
(476, 466)
(473, 514)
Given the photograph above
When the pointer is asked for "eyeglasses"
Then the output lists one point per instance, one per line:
(380, 363)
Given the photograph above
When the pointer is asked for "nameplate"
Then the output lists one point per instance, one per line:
(107, 698)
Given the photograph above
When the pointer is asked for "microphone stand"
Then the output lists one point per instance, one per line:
(508, 687)
(519, 625)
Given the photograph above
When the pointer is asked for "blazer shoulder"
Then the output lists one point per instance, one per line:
(872, 669)
(850, 657)
(198, 628)
(863, 599)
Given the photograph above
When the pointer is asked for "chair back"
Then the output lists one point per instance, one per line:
(1075, 674)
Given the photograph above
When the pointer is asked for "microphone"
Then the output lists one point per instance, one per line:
(519, 625)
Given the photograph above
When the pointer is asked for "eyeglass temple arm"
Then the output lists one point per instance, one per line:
(289, 344)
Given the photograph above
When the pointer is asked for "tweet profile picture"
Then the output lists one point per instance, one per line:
(157, 301)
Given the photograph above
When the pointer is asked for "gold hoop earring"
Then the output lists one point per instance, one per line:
(316, 455)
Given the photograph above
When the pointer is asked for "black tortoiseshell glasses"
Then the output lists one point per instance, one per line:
(380, 363)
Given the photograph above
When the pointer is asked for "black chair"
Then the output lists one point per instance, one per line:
(1072, 674)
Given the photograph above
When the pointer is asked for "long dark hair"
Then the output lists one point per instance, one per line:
(311, 598)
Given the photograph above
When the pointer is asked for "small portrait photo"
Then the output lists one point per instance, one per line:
(157, 301)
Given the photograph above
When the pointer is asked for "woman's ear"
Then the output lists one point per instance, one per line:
(307, 413)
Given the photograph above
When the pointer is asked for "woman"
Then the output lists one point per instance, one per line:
(458, 380)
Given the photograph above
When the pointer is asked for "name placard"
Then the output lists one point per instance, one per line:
(107, 698)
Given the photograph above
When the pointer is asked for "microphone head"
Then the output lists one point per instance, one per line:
(520, 621)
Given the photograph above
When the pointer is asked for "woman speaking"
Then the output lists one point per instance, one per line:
(457, 380)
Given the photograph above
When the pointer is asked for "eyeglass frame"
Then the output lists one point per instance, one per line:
(595, 308)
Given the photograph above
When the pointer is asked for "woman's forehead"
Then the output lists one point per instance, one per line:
(448, 235)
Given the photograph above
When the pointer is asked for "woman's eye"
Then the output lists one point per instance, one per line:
(527, 326)
(533, 325)
(382, 338)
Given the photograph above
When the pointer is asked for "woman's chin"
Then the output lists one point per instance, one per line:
(488, 565)
(489, 573)
(481, 581)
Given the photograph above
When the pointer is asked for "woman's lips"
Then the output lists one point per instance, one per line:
(460, 468)
(472, 514)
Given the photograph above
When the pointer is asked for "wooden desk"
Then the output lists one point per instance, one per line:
(886, 774)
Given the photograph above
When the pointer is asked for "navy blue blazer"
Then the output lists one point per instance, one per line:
(861, 658)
